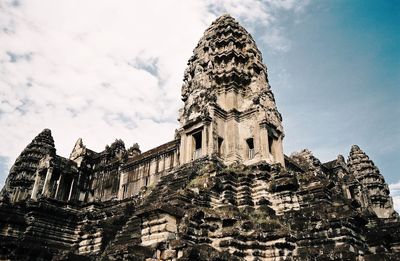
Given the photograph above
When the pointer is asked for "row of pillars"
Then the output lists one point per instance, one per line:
(46, 188)
(201, 141)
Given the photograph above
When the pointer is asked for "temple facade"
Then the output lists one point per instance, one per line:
(222, 189)
(229, 112)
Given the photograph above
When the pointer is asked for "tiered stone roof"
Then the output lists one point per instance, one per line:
(369, 176)
(227, 57)
(227, 53)
(22, 173)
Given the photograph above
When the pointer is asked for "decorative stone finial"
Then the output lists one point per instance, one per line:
(306, 159)
(134, 150)
(340, 160)
(78, 151)
(355, 148)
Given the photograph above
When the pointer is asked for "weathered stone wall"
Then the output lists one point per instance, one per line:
(146, 169)
(261, 212)
(47, 229)
(205, 210)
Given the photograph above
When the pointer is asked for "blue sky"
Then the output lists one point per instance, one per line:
(341, 81)
(101, 70)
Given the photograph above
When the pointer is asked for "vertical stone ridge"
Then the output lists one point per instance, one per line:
(22, 174)
(365, 171)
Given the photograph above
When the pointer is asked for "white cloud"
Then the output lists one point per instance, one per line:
(396, 203)
(102, 70)
(395, 187)
(395, 193)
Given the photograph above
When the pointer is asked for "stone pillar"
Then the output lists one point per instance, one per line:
(263, 141)
(176, 157)
(346, 192)
(212, 139)
(58, 186)
(278, 151)
(233, 141)
(35, 186)
(71, 189)
(183, 148)
(121, 187)
(16, 195)
(46, 191)
(204, 141)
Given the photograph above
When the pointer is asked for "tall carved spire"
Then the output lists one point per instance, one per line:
(227, 54)
(226, 83)
(22, 174)
(374, 183)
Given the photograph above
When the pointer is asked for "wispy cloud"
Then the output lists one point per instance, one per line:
(263, 18)
(3, 168)
(395, 193)
(103, 70)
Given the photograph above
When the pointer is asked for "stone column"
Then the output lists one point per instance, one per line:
(233, 141)
(189, 149)
(204, 141)
(212, 139)
(183, 148)
(278, 151)
(121, 187)
(35, 186)
(58, 186)
(176, 156)
(71, 189)
(16, 195)
(263, 142)
(46, 191)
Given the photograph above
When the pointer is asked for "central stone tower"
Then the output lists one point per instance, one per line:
(229, 109)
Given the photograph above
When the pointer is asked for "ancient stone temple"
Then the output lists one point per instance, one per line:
(222, 189)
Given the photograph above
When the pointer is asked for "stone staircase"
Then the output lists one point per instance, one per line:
(164, 191)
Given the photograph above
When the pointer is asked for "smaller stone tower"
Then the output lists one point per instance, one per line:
(20, 181)
(373, 182)
(229, 108)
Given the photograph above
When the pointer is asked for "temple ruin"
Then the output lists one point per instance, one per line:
(222, 189)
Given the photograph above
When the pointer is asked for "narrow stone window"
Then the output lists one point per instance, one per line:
(220, 141)
(270, 141)
(197, 139)
(250, 148)
(124, 190)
